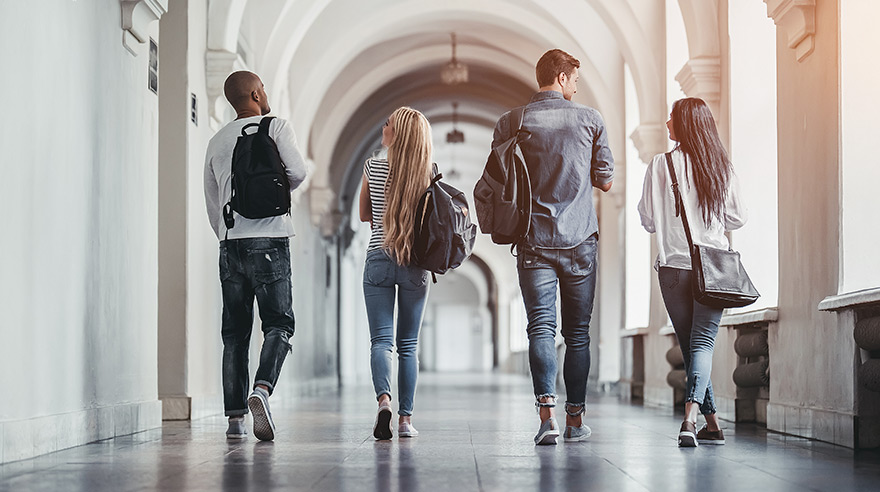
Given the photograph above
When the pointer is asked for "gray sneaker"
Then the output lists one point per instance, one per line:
(264, 427)
(236, 429)
(547, 433)
(575, 434)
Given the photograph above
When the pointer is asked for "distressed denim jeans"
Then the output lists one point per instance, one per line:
(696, 326)
(254, 268)
(385, 280)
(574, 271)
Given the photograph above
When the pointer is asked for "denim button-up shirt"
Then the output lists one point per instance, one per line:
(566, 155)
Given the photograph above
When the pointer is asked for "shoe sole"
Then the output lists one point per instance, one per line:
(263, 428)
(236, 436)
(547, 438)
(578, 439)
(382, 429)
(687, 440)
(407, 434)
(711, 442)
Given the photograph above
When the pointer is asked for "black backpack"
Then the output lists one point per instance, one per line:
(443, 235)
(503, 195)
(260, 187)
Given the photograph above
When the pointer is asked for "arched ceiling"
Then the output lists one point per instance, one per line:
(336, 68)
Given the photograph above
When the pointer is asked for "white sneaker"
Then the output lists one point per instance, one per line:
(406, 429)
(382, 427)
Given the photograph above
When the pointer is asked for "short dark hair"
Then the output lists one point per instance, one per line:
(553, 63)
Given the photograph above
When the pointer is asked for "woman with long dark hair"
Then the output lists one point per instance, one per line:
(390, 192)
(710, 196)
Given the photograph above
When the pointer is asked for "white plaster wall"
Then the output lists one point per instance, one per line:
(676, 52)
(80, 191)
(203, 301)
(638, 242)
(753, 142)
(859, 129)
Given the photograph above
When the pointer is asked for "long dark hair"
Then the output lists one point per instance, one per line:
(698, 139)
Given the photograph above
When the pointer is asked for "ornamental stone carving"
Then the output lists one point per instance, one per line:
(650, 140)
(701, 77)
(797, 19)
(138, 14)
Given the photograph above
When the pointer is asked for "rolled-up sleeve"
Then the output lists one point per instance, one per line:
(602, 162)
(735, 213)
(646, 204)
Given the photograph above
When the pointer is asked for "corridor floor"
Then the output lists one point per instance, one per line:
(476, 435)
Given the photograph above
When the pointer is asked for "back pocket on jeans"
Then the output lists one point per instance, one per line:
(377, 269)
(268, 265)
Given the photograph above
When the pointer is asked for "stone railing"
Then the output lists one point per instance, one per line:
(862, 309)
(751, 375)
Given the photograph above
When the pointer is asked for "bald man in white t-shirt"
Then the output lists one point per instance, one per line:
(254, 262)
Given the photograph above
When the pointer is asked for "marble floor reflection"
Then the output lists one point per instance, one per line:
(476, 435)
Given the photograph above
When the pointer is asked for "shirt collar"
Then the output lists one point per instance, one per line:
(544, 95)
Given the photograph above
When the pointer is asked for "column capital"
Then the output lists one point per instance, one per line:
(797, 18)
(650, 140)
(218, 65)
(138, 14)
(701, 77)
(324, 215)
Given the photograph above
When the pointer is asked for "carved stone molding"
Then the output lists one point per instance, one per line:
(650, 140)
(218, 65)
(701, 77)
(138, 14)
(322, 204)
(798, 20)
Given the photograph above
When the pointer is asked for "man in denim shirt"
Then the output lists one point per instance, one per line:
(567, 155)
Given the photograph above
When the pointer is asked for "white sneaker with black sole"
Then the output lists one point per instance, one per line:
(264, 427)
(382, 427)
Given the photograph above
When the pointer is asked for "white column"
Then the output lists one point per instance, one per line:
(859, 38)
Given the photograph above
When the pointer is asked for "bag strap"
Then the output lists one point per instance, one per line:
(679, 203)
(264, 124)
(518, 114)
(244, 133)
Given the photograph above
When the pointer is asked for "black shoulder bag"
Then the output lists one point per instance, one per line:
(719, 279)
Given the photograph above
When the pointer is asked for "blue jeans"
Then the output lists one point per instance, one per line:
(381, 276)
(696, 326)
(574, 270)
(249, 268)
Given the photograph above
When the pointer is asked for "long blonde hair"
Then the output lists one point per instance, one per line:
(409, 164)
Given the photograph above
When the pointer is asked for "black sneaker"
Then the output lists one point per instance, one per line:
(705, 436)
(687, 436)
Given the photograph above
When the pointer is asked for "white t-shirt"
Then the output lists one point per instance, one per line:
(218, 179)
(657, 211)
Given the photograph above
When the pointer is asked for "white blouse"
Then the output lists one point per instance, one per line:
(657, 211)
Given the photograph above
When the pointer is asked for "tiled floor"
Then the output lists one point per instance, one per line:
(476, 435)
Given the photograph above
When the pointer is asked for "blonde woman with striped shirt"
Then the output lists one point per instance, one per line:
(390, 191)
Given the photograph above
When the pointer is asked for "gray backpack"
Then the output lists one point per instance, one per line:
(503, 195)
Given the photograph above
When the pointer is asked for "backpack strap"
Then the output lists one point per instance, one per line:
(517, 116)
(264, 124)
(244, 132)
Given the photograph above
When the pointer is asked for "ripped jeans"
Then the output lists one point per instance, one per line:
(696, 326)
(574, 272)
(249, 268)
